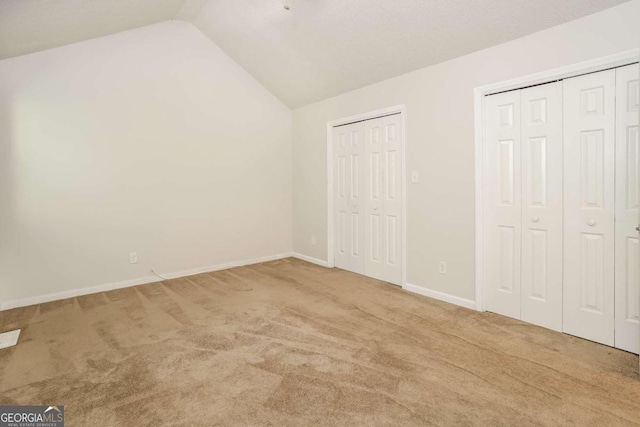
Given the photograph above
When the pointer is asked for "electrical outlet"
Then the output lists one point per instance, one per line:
(415, 177)
(442, 267)
(313, 240)
(133, 258)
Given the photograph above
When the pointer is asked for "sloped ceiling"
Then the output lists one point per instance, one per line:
(321, 48)
(314, 50)
(28, 26)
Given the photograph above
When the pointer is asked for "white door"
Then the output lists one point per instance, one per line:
(368, 197)
(392, 191)
(589, 162)
(374, 211)
(542, 205)
(502, 203)
(348, 197)
(627, 295)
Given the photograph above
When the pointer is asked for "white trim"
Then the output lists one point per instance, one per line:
(330, 256)
(22, 302)
(478, 108)
(403, 192)
(312, 260)
(594, 65)
(401, 109)
(442, 296)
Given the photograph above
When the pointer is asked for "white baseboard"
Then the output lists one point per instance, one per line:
(23, 302)
(310, 259)
(452, 299)
(224, 266)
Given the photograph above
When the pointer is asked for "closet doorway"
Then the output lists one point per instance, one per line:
(561, 164)
(366, 217)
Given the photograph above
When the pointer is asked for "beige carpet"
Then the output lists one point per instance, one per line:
(291, 343)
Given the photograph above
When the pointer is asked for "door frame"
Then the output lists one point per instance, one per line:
(402, 110)
(591, 66)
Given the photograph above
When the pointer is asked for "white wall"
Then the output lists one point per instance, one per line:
(150, 140)
(440, 144)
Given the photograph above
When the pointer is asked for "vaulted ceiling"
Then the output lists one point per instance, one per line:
(31, 25)
(314, 50)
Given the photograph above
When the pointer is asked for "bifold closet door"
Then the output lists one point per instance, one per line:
(542, 205)
(627, 254)
(368, 198)
(589, 187)
(562, 171)
(383, 193)
(523, 204)
(502, 203)
(348, 157)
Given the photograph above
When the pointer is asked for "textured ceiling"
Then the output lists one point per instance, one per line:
(321, 48)
(315, 50)
(31, 25)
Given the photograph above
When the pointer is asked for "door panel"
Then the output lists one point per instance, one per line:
(502, 203)
(542, 201)
(374, 261)
(589, 197)
(348, 198)
(357, 202)
(341, 152)
(392, 241)
(627, 295)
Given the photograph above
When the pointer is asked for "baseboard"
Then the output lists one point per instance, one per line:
(40, 299)
(452, 299)
(310, 259)
(224, 266)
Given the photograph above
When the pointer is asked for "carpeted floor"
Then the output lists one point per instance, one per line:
(290, 343)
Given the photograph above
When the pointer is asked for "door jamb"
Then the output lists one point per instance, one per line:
(573, 70)
(401, 109)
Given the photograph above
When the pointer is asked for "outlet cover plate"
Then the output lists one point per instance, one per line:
(442, 267)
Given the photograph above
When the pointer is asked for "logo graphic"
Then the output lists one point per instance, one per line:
(32, 416)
